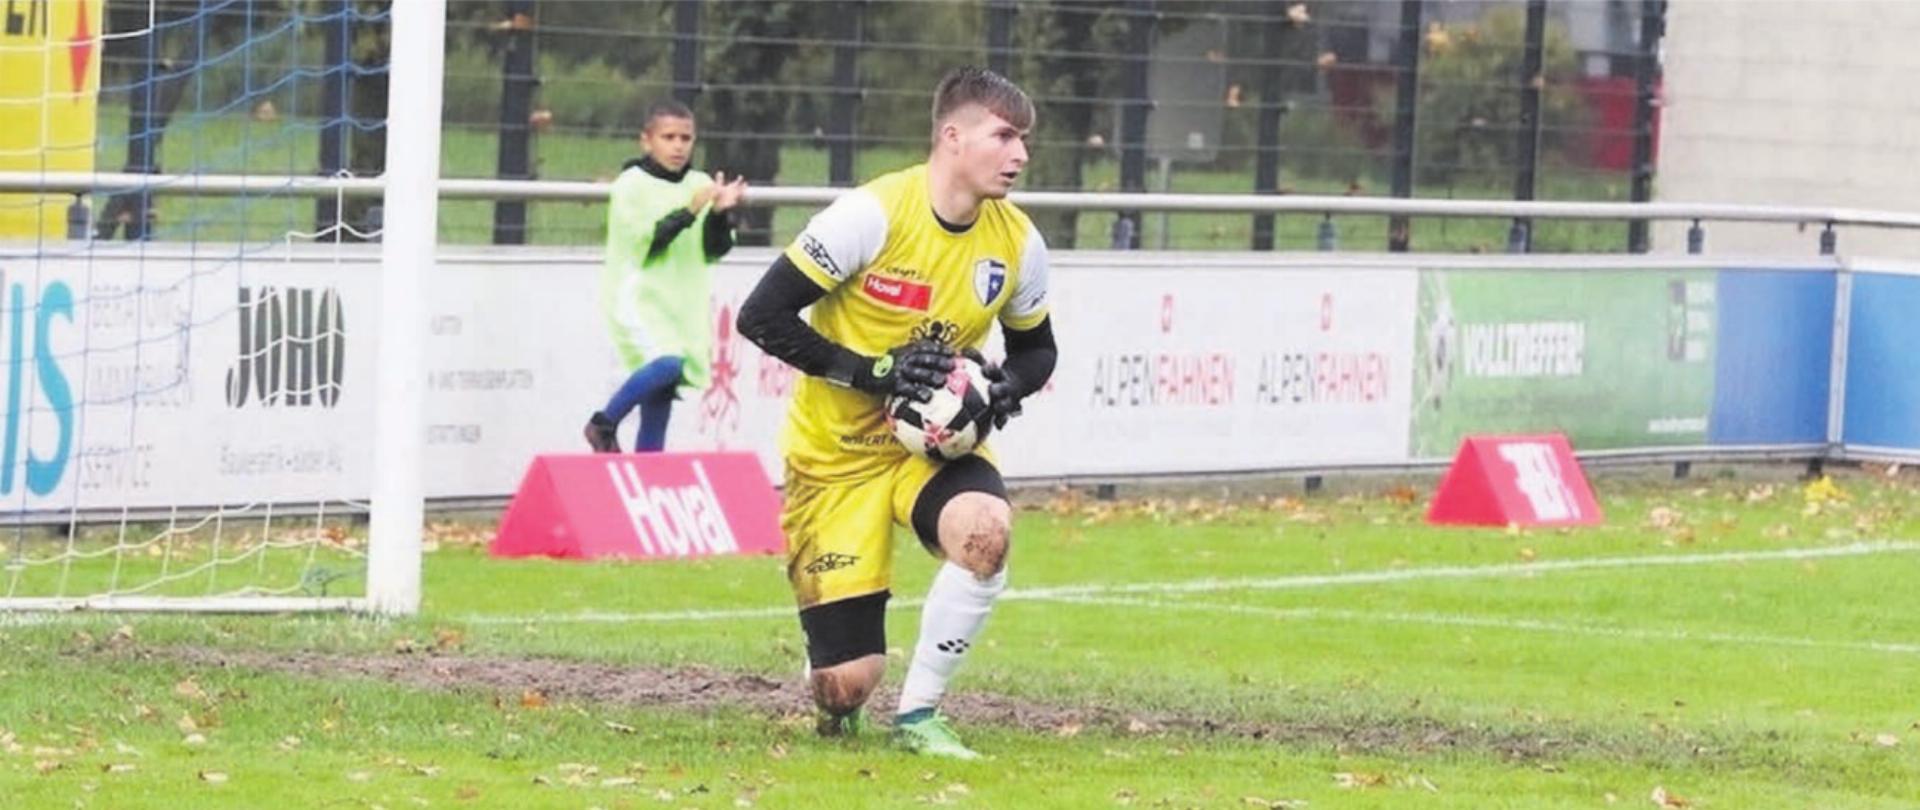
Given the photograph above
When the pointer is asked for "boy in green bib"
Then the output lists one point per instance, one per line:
(666, 225)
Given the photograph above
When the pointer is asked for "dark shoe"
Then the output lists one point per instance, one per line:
(600, 434)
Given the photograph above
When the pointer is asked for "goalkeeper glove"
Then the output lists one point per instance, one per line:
(911, 371)
(1004, 390)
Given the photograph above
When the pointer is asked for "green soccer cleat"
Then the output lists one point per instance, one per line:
(930, 735)
(851, 724)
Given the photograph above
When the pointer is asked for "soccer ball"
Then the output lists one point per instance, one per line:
(951, 424)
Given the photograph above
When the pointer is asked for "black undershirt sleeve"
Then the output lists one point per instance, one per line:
(718, 238)
(667, 230)
(770, 318)
(1031, 355)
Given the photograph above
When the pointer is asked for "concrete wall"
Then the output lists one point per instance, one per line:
(1812, 103)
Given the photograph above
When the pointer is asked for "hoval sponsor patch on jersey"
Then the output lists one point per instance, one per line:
(989, 277)
(898, 292)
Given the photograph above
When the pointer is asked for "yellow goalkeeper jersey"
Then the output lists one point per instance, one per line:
(895, 273)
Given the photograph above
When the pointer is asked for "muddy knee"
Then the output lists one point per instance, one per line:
(847, 649)
(843, 688)
(976, 530)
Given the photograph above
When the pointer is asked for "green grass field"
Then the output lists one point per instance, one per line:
(1722, 643)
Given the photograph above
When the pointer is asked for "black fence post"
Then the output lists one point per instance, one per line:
(1406, 60)
(333, 112)
(1273, 98)
(1000, 36)
(842, 126)
(1533, 83)
(1646, 78)
(686, 51)
(515, 160)
(1141, 17)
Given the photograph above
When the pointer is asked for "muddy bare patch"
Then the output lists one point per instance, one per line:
(701, 688)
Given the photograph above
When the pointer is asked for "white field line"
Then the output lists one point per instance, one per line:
(1466, 571)
(1269, 583)
(1495, 623)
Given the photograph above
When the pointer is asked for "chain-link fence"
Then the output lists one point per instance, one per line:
(1509, 99)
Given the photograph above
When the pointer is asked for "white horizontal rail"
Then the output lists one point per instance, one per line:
(583, 191)
(108, 182)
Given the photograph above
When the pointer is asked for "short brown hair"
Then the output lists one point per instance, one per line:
(664, 108)
(968, 84)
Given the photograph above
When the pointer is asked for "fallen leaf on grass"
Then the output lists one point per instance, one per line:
(1671, 801)
(1359, 780)
(1823, 490)
(118, 767)
(213, 777)
(618, 781)
(190, 690)
(445, 640)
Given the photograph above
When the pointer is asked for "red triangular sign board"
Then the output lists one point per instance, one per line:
(641, 506)
(1515, 480)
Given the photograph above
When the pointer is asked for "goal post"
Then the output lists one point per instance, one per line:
(406, 259)
(214, 401)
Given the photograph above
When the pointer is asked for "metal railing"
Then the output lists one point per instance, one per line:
(1826, 217)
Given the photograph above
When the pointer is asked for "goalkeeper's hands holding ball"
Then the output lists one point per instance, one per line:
(1004, 391)
(912, 371)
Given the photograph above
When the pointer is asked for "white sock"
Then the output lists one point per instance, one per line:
(957, 607)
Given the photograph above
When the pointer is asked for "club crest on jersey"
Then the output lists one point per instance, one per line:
(989, 276)
(898, 292)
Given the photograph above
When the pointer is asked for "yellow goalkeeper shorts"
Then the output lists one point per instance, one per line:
(840, 533)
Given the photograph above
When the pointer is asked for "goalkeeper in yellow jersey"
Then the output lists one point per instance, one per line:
(904, 274)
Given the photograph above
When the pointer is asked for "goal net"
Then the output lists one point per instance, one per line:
(190, 298)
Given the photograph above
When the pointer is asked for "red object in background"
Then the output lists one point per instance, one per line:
(1509, 480)
(641, 506)
(1609, 129)
(1604, 140)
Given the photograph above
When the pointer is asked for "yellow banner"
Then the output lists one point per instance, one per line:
(49, 89)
